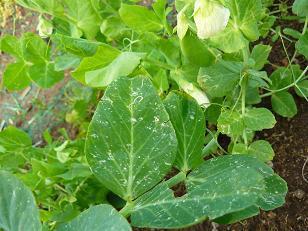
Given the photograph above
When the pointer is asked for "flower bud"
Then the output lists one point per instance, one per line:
(210, 18)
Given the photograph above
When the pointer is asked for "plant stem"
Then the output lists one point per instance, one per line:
(286, 87)
(181, 176)
(209, 147)
(127, 209)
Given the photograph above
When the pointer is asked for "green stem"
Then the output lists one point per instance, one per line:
(286, 87)
(207, 150)
(305, 25)
(181, 176)
(127, 209)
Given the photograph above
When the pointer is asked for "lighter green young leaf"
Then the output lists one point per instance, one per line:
(122, 65)
(262, 150)
(18, 211)
(104, 55)
(12, 139)
(16, 77)
(188, 120)
(258, 119)
(230, 123)
(97, 218)
(140, 18)
(44, 75)
(131, 143)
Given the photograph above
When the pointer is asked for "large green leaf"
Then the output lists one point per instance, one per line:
(97, 218)
(284, 104)
(140, 18)
(131, 143)
(221, 186)
(18, 211)
(219, 79)
(76, 46)
(188, 121)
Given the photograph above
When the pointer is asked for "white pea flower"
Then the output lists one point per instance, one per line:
(210, 18)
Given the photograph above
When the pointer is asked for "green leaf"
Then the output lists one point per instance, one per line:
(97, 218)
(275, 192)
(35, 49)
(219, 79)
(262, 150)
(300, 7)
(11, 45)
(260, 55)
(16, 77)
(18, 210)
(44, 75)
(84, 15)
(230, 123)
(188, 121)
(220, 186)
(302, 88)
(302, 44)
(196, 52)
(76, 46)
(12, 139)
(238, 216)
(140, 18)
(104, 55)
(258, 119)
(283, 77)
(66, 61)
(131, 143)
(123, 65)
(283, 104)
(242, 27)
(230, 39)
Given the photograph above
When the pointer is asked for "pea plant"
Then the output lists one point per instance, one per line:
(175, 76)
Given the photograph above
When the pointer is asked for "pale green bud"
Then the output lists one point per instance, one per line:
(210, 18)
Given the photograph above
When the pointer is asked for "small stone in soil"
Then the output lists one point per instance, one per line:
(299, 194)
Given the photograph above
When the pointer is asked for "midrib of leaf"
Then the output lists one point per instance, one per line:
(185, 165)
(130, 180)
